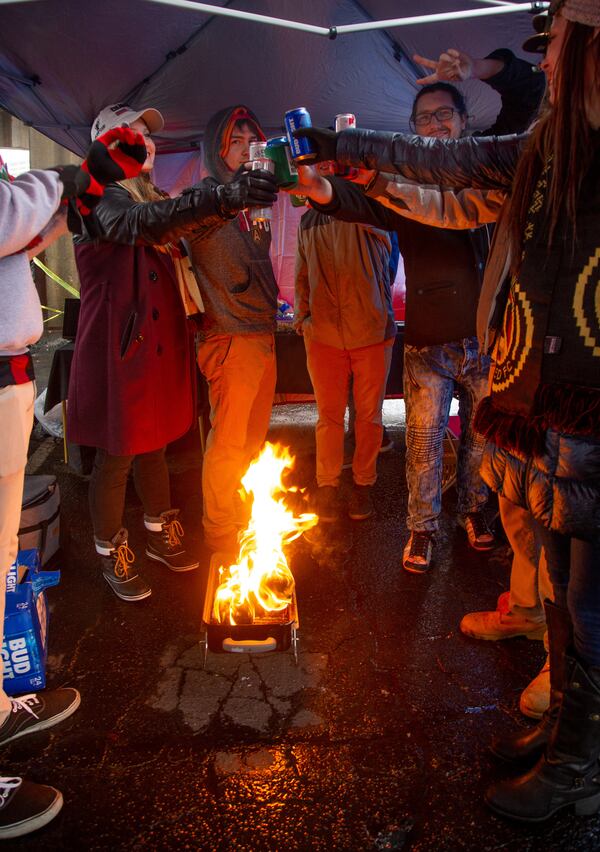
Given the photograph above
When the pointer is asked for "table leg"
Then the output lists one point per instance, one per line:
(64, 424)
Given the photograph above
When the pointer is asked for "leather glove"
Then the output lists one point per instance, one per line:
(324, 142)
(248, 189)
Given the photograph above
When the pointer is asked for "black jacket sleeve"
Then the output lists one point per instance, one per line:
(350, 204)
(521, 87)
(120, 219)
(486, 162)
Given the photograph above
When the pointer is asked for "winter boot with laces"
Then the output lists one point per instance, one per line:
(164, 542)
(117, 559)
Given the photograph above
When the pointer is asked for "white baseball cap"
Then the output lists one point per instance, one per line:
(122, 115)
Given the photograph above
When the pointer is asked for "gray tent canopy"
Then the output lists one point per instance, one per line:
(61, 61)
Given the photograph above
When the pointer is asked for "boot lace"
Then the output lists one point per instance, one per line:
(124, 557)
(173, 531)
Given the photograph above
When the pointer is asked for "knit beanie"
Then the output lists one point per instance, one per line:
(579, 11)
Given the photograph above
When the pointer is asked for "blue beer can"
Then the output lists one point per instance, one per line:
(303, 150)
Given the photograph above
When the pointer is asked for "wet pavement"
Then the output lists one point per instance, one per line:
(376, 739)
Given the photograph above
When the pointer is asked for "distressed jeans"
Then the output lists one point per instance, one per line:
(432, 376)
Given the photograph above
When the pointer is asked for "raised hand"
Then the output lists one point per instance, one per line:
(452, 66)
(117, 154)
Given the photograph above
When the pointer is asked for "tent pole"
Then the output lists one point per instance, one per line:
(246, 16)
(430, 19)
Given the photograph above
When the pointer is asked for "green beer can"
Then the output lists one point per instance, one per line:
(278, 150)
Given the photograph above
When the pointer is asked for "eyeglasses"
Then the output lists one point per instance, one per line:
(422, 119)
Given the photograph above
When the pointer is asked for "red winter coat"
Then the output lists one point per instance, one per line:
(131, 386)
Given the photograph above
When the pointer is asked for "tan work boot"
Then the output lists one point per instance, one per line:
(498, 625)
(535, 698)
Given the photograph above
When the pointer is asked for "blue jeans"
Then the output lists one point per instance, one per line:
(573, 565)
(432, 375)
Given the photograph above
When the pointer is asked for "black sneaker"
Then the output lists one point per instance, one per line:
(326, 503)
(387, 442)
(35, 712)
(478, 532)
(164, 542)
(418, 551)
(25, 806)
(117, 559)
(360, 506)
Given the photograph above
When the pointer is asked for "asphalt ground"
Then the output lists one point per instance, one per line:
(376, 739)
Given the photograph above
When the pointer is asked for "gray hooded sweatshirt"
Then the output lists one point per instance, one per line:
(233, 265)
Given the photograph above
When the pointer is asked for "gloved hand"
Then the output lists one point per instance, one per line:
(248, 189)
(117, 154)
(324, 142)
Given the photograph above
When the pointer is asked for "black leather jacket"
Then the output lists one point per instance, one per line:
(483, 162)
(119, 219)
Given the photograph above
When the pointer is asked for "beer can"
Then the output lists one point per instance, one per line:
(260, 160)
(344, 120)
(303, 150)
(278, 149)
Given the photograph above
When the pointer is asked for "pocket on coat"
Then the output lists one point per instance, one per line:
(127, 336)
(16, 416)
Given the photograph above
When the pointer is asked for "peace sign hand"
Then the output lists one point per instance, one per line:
(452, 66)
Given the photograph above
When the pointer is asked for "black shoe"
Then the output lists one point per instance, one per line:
(117, 559)
(35, 712)
(478, 532)
(164, 542)
(361, 506)
(418, 551)
(387, 442)
(326, 503)
(25, 806)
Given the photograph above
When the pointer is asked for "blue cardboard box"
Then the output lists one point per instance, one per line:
(25, 646)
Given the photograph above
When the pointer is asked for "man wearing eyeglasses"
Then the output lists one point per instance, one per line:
(444, 270)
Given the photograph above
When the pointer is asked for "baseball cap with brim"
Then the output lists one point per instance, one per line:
(122, 115)
(538, 43)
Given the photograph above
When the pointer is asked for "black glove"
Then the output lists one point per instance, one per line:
(324, 142)
(248, 189)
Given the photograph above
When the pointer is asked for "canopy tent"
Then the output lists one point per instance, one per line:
(61, 61)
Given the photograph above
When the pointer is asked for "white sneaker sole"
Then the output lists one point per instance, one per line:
(26, 826)
(132, 598)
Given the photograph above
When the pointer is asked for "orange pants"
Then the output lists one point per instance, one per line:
(330, 370)
(241, 373)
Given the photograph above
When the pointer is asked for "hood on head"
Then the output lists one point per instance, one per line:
(217, 135)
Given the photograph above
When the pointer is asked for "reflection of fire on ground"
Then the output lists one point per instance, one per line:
(260, 582)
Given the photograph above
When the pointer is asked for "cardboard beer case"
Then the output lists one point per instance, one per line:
(25, 646)
(40, 516)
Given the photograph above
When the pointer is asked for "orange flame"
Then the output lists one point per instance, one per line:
(261, 581)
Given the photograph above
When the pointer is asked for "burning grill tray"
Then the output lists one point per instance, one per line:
(277, 632)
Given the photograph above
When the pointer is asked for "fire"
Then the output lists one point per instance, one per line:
(261, 581)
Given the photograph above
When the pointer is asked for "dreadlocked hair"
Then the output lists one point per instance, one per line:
(561, 138)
